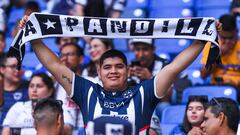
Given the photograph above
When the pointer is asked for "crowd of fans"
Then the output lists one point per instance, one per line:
(24, 103)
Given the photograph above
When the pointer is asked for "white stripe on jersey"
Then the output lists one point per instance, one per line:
(131, 111)
(97, 110)
(88, 99)
(142, 96)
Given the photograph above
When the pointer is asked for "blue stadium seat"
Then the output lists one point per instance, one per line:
(173, 114)
(196, 63)
(194, 76)
(171, 45)
(133, 13)
(50, 42)
(130, 56)
(210, 91)
(120, 44)
(167, 128)
(170, 13)
(212, 12)
(156, 4)
(212, 3)
(137, 3)
(30, 60)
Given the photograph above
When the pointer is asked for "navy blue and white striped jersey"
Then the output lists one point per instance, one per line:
(135, 104)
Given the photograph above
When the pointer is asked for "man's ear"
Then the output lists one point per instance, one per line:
(221, 118)
(60, 121)
(99, 72)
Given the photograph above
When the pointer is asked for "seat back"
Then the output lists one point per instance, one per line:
(210, 91)
(173, 114)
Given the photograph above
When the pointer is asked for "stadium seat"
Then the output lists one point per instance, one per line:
(171, 46)
(133, 13)
(137, 3)
(156, 4)
(30, 60)
(170, 13)
(130, 56)
(196, 63)
(194, 76)
(212, 12)
(173, 114)
(210, 91)
(50, 42)
(120, 44)
(167, 128)
(212, 3)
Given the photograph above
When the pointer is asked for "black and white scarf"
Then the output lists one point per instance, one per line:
(52, 25)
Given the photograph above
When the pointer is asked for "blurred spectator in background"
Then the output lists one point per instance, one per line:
(146, 65)
(193, 117)
(30, 7)
(60, 41)
(98, 8)
(3, 22)
(221, 117)
(155, 128)
(71, 55)
(15, 89)
(96, 48)
(19, 116)
(235, 7)
(228, 72)
(52, 123)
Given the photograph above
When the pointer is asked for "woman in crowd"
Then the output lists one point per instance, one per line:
(20, 115)
(96, 48)
(193, 118)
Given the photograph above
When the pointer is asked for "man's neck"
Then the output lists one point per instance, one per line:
(226, 132)
(47, 132)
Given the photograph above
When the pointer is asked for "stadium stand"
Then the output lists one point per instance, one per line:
(167, 128)
(210, 91)
(171, 116)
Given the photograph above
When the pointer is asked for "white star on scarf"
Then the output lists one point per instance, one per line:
(49, 24)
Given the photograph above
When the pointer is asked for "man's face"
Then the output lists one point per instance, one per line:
(211, 124)
(11, 74)
(65, 40)
(113, 74)
(228, 40)
(144, 53)
(70, 58)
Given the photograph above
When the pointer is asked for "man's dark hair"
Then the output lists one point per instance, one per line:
(111, 54)
(228, 22)
(79, 50)
(203, 100)
(57, 40)
(230, 109)
(3, 34)
(32, 5)
(46, 112)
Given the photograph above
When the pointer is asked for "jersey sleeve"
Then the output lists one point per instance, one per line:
(12, 114)
(149, 90)
(80, 88)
